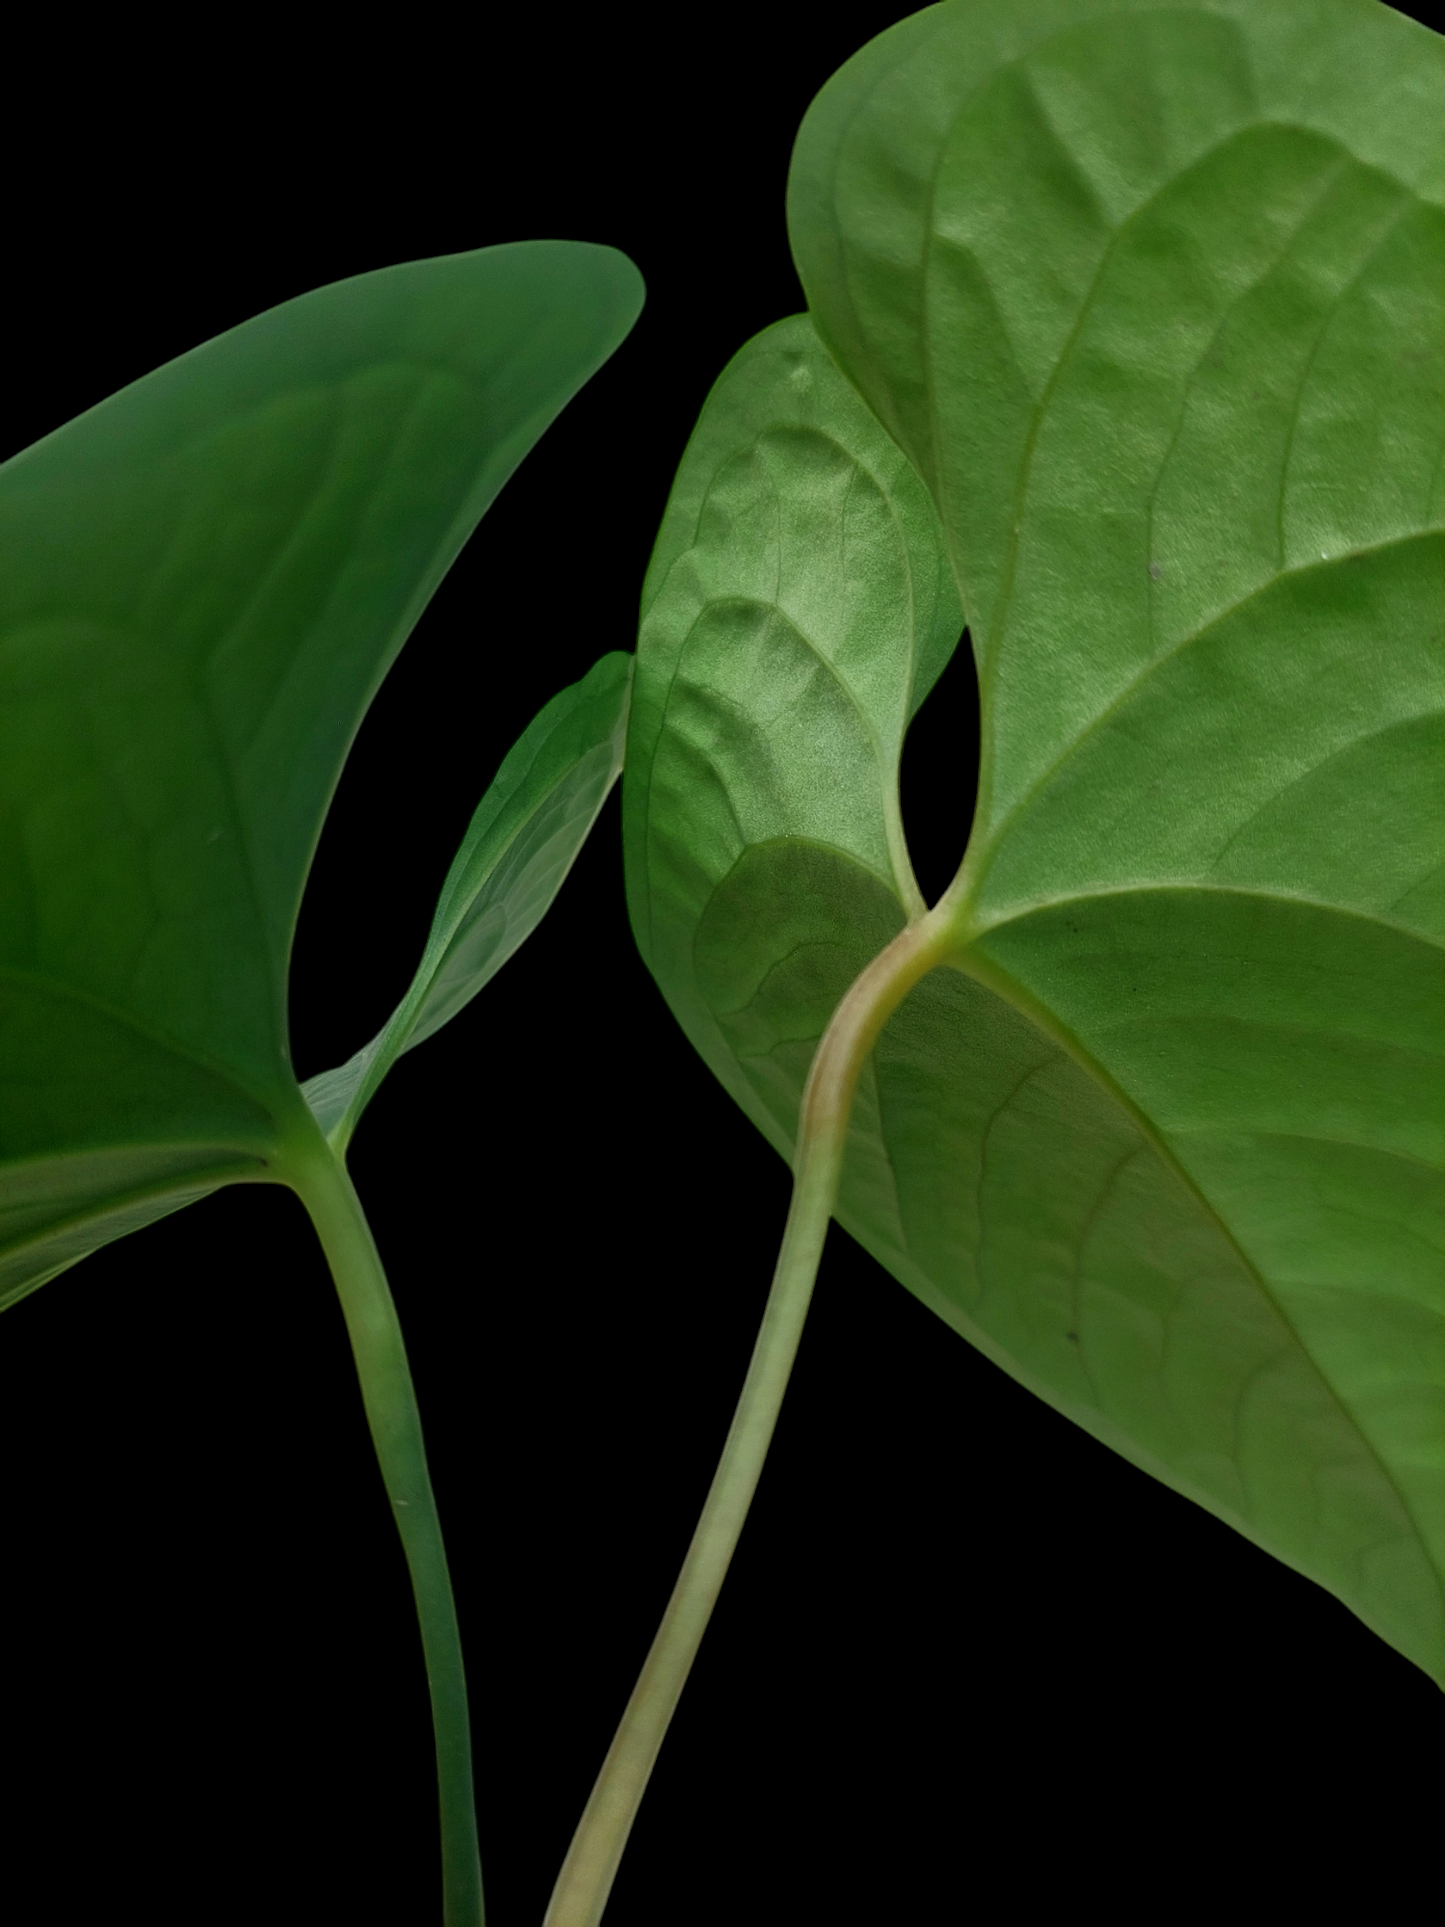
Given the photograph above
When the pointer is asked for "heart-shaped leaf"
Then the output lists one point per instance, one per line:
(514, 858)
(202, 583)
(1154, 300)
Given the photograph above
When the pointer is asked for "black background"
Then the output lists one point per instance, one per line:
(967, 1661)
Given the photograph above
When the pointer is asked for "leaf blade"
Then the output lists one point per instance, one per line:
(524, 836)
(1155, 302)
(785, 467)
(204, 580)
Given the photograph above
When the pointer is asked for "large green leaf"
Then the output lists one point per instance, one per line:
(514, 858)
(202, 583)
(1154, 299)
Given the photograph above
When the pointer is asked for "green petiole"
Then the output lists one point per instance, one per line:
(583, 1886)
(325, 1188)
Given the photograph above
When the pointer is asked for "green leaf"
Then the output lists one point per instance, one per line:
(798, 576)
(202, 583)
(1154, 300)
(513, 860)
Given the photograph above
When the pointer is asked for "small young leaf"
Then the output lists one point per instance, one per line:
(513, 860)
(1155, 301)
(202, 583)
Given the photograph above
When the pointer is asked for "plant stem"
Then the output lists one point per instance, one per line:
(391, 1412)
(583, 1886)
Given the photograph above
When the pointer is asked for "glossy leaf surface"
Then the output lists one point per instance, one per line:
(513, 860)
(1154, 299)
(202, 583)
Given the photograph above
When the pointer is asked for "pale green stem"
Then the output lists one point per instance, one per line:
(320, 1177)
(592, 1860)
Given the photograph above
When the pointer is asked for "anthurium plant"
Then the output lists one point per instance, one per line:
(1124, 362)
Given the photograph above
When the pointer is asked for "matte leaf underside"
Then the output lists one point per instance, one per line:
(1154, 301)
(202, 583)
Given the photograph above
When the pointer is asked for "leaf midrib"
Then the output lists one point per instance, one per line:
(982, 924)
(210, 1177)
(1027, 798)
